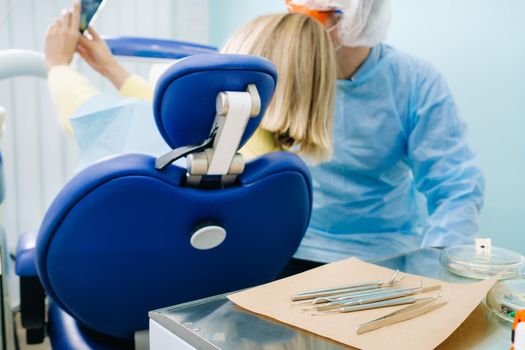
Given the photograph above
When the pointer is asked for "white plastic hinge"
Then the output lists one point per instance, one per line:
(234, 110)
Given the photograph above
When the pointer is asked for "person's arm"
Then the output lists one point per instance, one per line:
(445, 169)
(97, 54)
(68, 88)
(137, 87)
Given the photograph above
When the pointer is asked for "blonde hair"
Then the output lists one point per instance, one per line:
(301, 112)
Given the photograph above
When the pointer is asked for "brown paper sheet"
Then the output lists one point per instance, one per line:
(424, 332)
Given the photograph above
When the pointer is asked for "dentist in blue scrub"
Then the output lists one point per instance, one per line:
(402, 175)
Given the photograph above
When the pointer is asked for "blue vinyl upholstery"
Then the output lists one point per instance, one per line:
(115, 243)
(76, 336)
(25, 255)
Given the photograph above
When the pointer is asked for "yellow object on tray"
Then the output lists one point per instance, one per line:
(424, 332)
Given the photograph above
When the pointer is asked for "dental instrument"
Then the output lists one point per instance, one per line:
(419, 308)
(378, 304)
(324, 292)
(338, 297)
(376, 298)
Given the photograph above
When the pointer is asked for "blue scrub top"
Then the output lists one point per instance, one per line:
(402, 175)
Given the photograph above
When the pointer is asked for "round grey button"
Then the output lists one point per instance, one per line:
(208, 237)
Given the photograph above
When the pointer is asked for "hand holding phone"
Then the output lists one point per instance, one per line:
(62, 38)
(89, 10)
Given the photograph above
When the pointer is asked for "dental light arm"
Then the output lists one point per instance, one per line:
(16, 62)
(21, 62)
(154, 49)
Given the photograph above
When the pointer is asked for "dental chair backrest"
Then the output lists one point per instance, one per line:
(128, 235)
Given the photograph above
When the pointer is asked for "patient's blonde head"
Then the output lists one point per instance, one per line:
(301, 112)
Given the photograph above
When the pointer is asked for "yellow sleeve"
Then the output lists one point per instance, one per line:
(69, 90)
(137, 87)
(261, 142)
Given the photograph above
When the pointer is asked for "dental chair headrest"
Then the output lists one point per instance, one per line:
(185, 95)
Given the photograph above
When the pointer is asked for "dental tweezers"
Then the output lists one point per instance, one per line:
(419, 308)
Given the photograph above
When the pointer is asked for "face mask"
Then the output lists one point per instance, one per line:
(361, 23)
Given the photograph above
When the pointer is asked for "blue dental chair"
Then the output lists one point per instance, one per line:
(132, 233)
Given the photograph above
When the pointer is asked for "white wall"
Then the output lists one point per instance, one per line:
(38, 157)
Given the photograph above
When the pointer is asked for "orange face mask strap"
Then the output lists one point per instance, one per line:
(321, 16)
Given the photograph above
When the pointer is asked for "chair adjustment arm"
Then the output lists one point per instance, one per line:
(168, 158)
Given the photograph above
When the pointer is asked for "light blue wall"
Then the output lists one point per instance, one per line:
(479, 45)
(228, 15)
